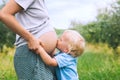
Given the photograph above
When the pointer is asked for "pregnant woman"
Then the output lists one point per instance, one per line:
(30, 21)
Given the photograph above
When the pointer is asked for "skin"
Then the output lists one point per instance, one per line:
(7, 17)
(62, 45)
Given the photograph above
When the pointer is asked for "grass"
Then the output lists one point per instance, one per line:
(6, 67)
(93, 66)
(97, 63)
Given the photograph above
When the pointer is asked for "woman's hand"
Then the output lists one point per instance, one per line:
(33, 44)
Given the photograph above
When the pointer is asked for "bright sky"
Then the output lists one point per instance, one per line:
(62, 12)
(0, 1)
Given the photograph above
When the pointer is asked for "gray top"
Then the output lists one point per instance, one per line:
(34, 18)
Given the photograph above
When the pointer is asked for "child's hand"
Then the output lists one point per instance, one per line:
(40, 48)
(41, 44)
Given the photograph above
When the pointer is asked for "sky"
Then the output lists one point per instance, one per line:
(62, 12)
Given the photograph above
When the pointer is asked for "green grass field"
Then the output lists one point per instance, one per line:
(7, 67)
(97, 63)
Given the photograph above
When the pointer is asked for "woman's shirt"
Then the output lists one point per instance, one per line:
(34, 18)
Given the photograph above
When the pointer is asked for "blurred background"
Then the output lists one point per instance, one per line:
(99, 23)
(62, 12)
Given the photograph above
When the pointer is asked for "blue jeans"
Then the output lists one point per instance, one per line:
(29, 66)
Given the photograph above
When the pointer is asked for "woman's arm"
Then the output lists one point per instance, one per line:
(46, 57)
(7, 17)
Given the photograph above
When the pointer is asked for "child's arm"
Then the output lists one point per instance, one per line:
(53, 53)
(46, 58)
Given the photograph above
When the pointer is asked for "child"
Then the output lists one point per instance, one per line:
(71, 45)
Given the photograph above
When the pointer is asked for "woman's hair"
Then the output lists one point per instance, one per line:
(76, 42)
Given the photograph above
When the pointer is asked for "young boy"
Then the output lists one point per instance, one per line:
(71, 45)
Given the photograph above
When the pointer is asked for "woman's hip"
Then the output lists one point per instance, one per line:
(29, 65)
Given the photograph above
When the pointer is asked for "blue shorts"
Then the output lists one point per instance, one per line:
(29, 66)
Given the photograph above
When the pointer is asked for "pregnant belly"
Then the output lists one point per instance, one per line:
(49, 41)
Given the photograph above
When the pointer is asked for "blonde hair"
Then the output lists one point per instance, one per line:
(76, 43)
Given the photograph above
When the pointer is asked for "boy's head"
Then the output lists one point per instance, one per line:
(71, 42)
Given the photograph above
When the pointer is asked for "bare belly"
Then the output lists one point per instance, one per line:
(49, 41)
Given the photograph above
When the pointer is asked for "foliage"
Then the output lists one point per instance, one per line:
(59, 31)
(7, 37)
(110, 25)
(106, 29)
(97, 63)
(91, 32)
(98, 66)
(7, 71)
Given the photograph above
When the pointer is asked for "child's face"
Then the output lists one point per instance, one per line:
(62, 43)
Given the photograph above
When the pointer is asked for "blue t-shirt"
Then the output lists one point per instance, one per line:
(67, 67)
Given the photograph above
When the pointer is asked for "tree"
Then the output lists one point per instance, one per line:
(106, 29)
(110, 21)
(7, 37)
